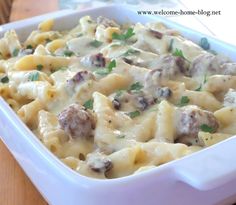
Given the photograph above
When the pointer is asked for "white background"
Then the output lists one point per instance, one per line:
(221, 26)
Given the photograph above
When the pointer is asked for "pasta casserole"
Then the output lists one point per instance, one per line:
(113, 100)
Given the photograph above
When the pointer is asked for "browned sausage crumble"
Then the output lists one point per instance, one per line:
(76, 121)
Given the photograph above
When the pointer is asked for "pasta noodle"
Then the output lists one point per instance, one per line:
(114, 100)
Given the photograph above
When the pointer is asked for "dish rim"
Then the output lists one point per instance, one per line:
(66, 170)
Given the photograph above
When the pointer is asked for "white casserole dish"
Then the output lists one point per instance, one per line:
(205, 177)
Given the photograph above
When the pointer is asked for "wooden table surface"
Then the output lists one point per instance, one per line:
(15, 187)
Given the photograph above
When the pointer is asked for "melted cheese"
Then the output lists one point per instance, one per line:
(135, 125)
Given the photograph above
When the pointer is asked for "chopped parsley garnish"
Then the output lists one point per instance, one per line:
(4, 79)
(120, 136)
(106, 71)
(206, 128)
(179, 53)
(68, 53)
(133, 114)
(102, 71)
(15, 52)
(39, 67)
(204, 43)
(136, 86)
(33, 76)
(204, 81)
(89, 21)
(131, 52)
(184, 101)
(171, 45)
(199, 88)
(88, 104)
(111, 65)
(118, 93)
(29, 47)
(123, 37)
(95, 43)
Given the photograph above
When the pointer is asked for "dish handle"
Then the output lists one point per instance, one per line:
(209, 168)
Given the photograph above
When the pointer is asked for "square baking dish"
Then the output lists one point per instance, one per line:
(205, 177)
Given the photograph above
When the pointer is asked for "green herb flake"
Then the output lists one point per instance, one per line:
(111, 65)
(15, 52)
(79, 35)
(107, 70)
(39, 67)
(33, 76)
(179, 53)
(201, 85)
(136, 86)
(68, 53)
(204, 43)
(184, 101)
(199, 88)
(131, 52)
(4, 79)
(123, 37)
(118, 93)
(171, 45)
(29, 47)
(206, 128)
(102, 71)
(133, 114)
(120, 136)
(205, 79)
(88, 104)
(95, 43)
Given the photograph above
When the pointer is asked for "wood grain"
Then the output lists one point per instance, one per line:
(15, 186)
(22, 9)
(5, 8)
